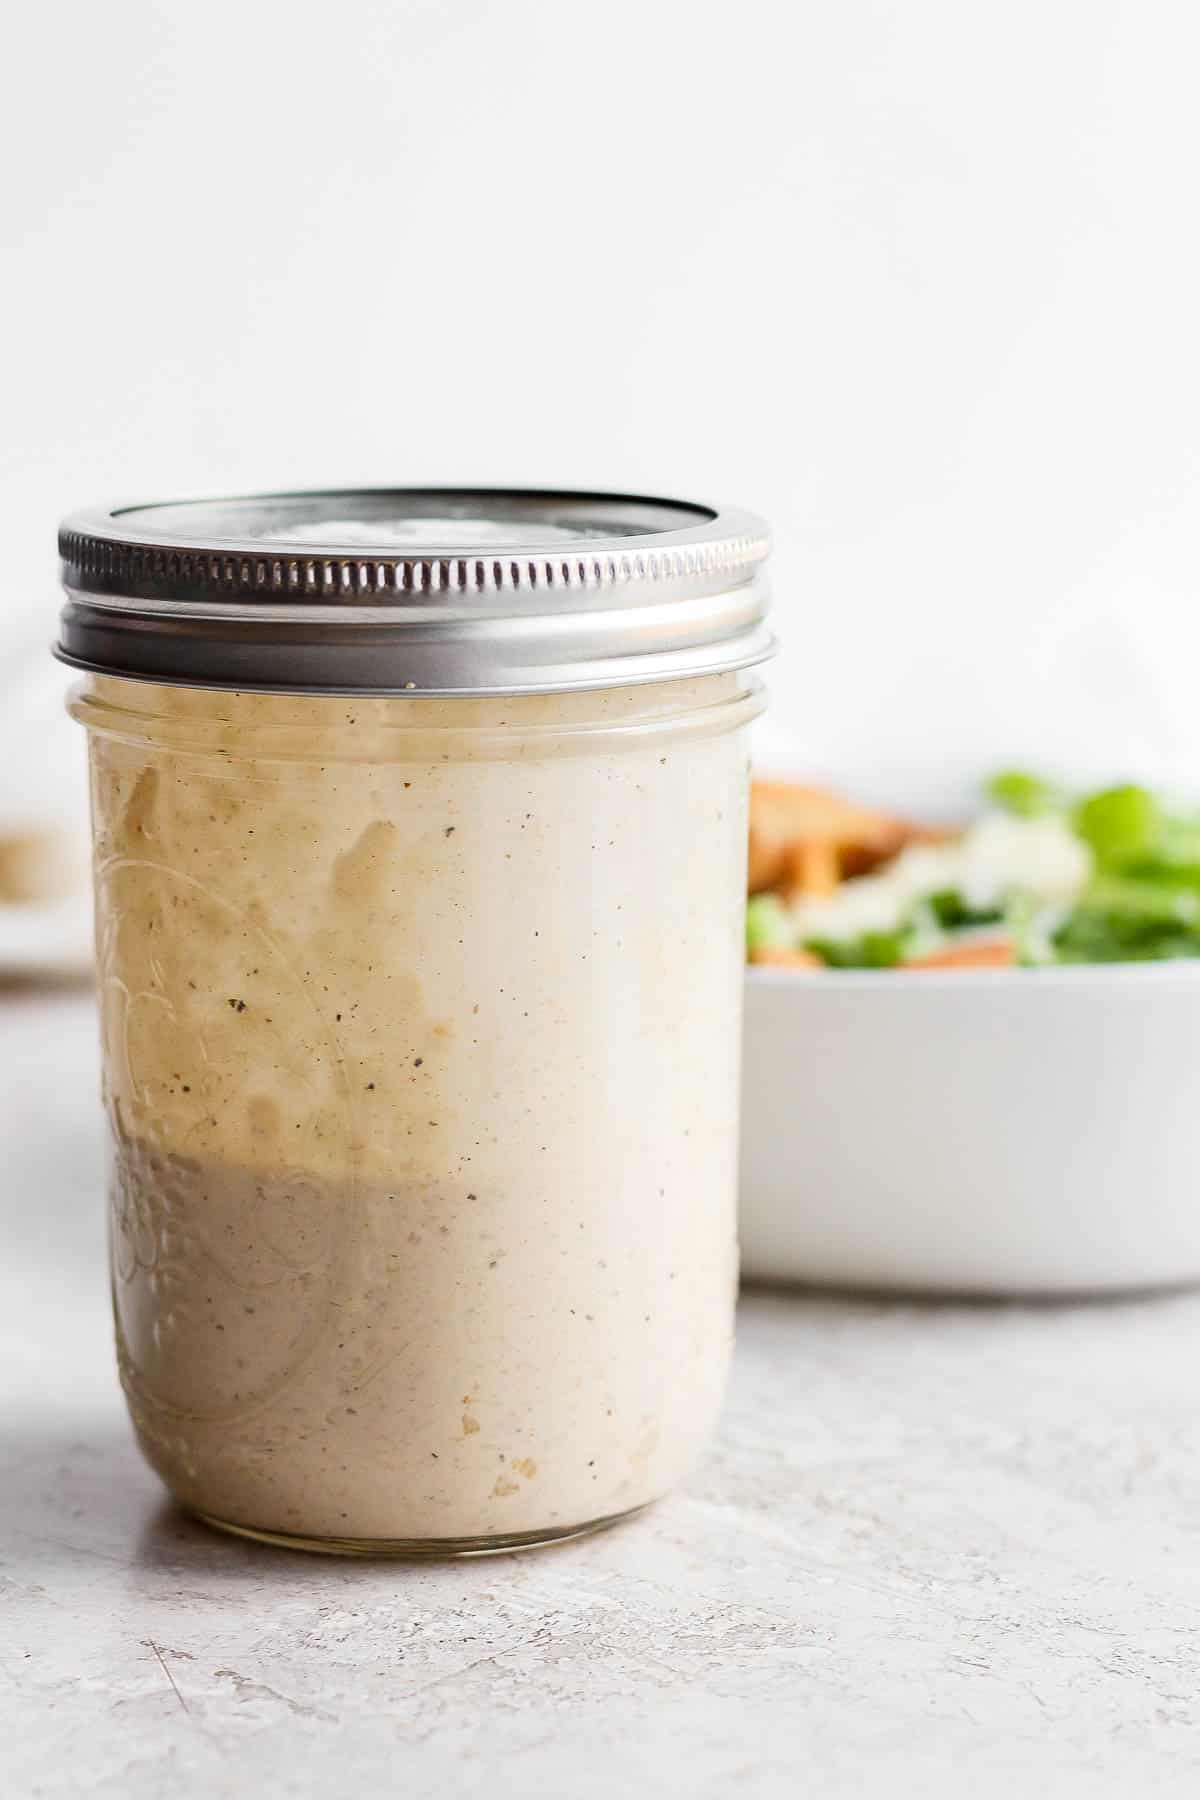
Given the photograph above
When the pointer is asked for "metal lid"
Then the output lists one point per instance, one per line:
(414, 590)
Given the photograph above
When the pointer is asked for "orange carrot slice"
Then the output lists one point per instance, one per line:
(979, 953)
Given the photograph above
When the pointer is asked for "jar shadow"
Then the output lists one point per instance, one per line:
(71, 1490)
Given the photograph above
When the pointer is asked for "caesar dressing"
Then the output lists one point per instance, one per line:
(423, 1119)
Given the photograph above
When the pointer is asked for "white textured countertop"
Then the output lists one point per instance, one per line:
(936, 1549)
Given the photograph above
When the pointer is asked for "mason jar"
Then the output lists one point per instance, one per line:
(420, 838)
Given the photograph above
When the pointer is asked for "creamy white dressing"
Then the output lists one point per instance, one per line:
(997, 856)
(424, 1130)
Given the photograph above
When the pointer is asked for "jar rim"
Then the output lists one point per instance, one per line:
(279, 730)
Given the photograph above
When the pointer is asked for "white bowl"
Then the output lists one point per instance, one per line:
(1016, 1131)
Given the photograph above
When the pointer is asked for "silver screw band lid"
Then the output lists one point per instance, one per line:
(414, 590)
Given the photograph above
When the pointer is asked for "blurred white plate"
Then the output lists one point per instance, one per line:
(43, 791)
(1014, 1131)
(47, 940)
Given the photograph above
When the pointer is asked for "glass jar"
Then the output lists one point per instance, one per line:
(421, 1011)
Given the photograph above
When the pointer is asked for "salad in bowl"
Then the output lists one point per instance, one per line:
(1043, 876)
